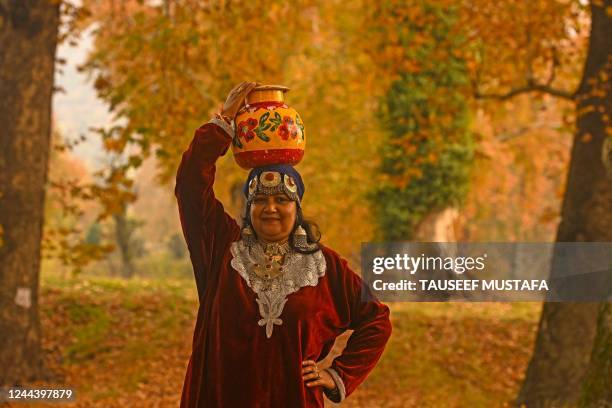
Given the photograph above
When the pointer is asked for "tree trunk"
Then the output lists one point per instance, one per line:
(123, 235)
(437, 226)
(597, 388)
(567, 330)
(28, 38)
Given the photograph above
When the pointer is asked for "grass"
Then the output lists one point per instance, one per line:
(453, 355)
(94, 323)
(122, 342)
(127, 343)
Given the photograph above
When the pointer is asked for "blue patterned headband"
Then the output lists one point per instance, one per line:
(274, 179)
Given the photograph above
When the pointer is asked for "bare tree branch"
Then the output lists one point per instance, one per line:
(533, 87)
(553, 67)
(531, 84)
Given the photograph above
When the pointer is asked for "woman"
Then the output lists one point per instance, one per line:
(272, 299)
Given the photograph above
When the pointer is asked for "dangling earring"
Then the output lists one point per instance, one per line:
(299, 238)
(248, 236)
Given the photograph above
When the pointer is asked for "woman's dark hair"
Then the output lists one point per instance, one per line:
(313, 233)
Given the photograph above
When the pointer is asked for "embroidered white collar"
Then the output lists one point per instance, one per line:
(299, 270)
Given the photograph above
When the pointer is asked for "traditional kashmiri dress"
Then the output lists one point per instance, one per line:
(250, 338)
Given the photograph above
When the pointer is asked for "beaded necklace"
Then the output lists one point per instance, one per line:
(271, 265)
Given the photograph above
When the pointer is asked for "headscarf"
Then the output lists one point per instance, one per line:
(274, 179)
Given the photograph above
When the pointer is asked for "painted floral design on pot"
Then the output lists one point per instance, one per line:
(245, 129)
(267, 130)
(288, 128)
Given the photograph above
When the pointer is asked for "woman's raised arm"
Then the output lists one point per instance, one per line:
(207, 228)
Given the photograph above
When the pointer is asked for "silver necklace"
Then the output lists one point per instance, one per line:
(271, 266)
(295, 271)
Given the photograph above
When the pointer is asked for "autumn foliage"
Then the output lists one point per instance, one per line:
(403, 103)
(410, 107)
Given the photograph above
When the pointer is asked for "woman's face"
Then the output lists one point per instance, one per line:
(273, 216)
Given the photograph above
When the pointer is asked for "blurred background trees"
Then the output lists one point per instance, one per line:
(429, 120)
(426, 158)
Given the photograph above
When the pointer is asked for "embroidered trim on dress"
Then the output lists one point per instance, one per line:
(299, 270)
(229, 129)
(339, 394)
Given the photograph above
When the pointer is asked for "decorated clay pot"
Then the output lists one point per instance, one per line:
(267, 130)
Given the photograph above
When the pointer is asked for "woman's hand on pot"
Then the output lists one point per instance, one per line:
(316, 377)
(235, 98)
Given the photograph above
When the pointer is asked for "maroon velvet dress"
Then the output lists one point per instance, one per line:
(233, 363)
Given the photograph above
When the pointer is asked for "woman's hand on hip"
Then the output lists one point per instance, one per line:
(235, 98)
(316, 377)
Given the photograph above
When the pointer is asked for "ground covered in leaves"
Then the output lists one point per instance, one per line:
(126, 344)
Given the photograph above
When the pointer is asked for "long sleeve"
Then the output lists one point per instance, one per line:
(372, 328)
(207, 228)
